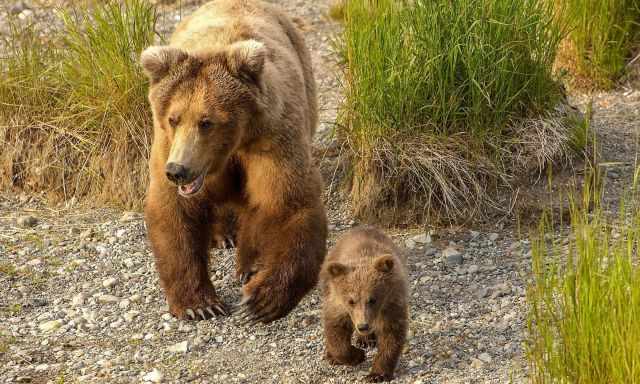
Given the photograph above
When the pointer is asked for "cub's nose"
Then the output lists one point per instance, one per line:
(176, 172)
(364, 327)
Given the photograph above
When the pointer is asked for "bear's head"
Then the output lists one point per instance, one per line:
(203, 103)
(363, 289)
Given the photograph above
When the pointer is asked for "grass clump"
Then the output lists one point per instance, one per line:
(74, 119)
(584, 301)
(446, 99)
(602, 37)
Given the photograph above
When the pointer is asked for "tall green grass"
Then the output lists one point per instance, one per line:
(441, 95)
(603, 35)
(584, 300)
(74, 119)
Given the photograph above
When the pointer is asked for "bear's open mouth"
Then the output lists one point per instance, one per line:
(192, 188)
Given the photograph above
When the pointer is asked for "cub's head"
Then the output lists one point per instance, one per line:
(362, 290)
(203, 103)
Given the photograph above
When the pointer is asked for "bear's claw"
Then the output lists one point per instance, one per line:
(211, 312)
(378, 377)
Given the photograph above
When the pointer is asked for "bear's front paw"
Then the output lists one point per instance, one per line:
(267, 296)
(375, 377)
(198, 306)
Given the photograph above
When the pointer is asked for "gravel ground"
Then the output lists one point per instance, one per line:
(80, 300)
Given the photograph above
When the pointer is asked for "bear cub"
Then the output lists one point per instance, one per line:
(364, 284)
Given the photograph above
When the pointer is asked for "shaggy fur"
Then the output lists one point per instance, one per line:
(234, 102)
(364, 284)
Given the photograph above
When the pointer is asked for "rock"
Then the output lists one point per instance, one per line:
(18, 7)
(128, 216)
(102, 250)
(167, 317)
(51, 325)
(474, 234)
(482, 293)
(493, 236)
(484, 357)
(27, 221)
(181, 347)
(135, 298)
(430, 251)
(452, 256)
(154, 376)
(475, 363)
(107, 299)
(128, 262)
(424, 238)
(34, 262)
(124, 304)
(219, 339)
(109, 282)
(473, 269)
(410, 244)
(129, 316)
(78, 300)
(86, 234)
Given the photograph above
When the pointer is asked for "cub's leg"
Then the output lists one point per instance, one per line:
(391, 340)
(337, 334)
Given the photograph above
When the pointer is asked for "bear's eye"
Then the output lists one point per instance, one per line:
(205, 124)
(173, 122)
(371, 301)
(351, 302)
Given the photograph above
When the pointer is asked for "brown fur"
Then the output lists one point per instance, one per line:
(233, 98)
(364, 281)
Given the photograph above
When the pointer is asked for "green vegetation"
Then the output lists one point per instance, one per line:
(74, 119)
(584, 320)
(603, 34)
(446, 99)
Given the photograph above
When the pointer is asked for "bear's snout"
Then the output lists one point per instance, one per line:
(177, 173)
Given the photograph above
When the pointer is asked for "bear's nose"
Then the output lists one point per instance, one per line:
(176, 172)
(364, 327)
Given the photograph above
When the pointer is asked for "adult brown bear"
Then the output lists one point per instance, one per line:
(234, 107)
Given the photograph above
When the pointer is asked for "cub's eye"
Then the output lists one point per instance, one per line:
(173, 122)
(351, 302)
(371, 301)
(205, 124)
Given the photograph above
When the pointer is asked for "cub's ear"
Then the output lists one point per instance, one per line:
(246, 59)
(384, 263)
(337, 269)
(157, 61)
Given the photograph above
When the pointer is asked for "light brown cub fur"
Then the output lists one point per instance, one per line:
(364, 282)
(234, 107)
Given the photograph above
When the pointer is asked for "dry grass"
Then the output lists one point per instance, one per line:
(74, 120)
(448, 101)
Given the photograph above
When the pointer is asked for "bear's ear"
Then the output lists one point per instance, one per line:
(337, 269)
(384, 263)
(157, 61)
(246, 60)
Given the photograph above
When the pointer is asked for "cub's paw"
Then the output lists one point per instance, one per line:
(200, 306)
(353, 358)
(366, 342)
(374, 377)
